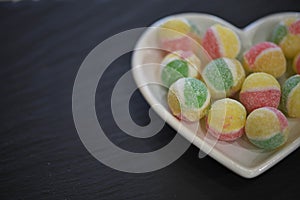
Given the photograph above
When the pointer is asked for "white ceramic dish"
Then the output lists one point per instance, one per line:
(239, 156)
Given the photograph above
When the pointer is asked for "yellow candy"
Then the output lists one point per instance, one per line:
(289, 21)
(174, 28)
(267, 128)
(271, 62)
(296, 63)
(229, 112)
(239, 76)
(230, 43)
(293, 104)
(220, 41)
(188, 99)
(265, 57)
(193, 61)
(226, 119)
(259, 80)
(179, 34)
(290, 45)
(254, 129)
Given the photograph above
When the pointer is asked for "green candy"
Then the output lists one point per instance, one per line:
(173, 71)
(219, 75)
(271, 143)
(288, 86)
(279, 33)
(195, 93)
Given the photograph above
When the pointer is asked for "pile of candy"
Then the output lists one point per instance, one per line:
(236, 93)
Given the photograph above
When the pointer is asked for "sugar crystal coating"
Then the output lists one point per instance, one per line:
(179, 64)
(267, 128)
(260, 90)
(265, 57)
(287, 35)
(296, 63)
(226, 119)
(224, 77)
(179, 34)
(188, 99)
(220, 41)
(290, 99)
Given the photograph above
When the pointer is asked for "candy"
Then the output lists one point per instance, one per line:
(265, 57)
(179, 64)
(179, 34)
(260, 90)
(224, 77)
(220, 41)
(290, 99)
(287, 35)
(267, 128)
(296, 63)
(226, 119)
(188, 99)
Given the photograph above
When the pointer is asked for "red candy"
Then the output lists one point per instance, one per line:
(210, 43)
(258, 99)
(185, 43)
(260, 90)
(295, 28)
(257, 50)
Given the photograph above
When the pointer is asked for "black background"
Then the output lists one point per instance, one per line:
(42, 46)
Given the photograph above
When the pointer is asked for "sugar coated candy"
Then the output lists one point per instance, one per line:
(188, 99)
(267, 128)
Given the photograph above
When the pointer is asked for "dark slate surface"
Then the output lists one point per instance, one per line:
(42, 46)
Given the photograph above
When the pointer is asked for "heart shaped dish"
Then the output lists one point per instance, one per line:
(239, 156)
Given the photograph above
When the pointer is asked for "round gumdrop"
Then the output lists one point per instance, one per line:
(188, 99)
(226, 119)
(179, 64)
(287, 35)
(178, 34)
(290, 99)
(296, 63)
(260, 90)
(220, 41)
(267, 128)
(265, 57)
(224, 77)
